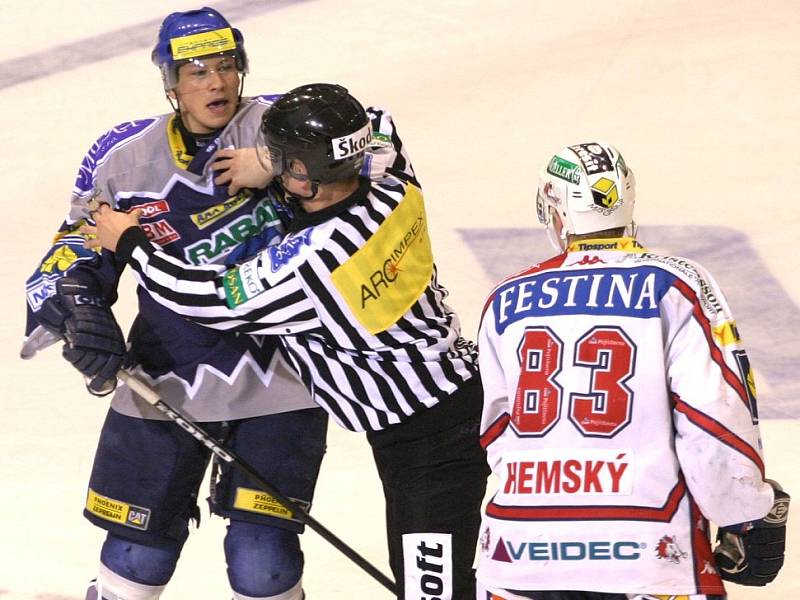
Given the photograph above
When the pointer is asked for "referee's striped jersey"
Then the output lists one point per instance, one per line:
(352, 291)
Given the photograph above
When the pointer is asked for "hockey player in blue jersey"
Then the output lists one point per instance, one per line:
(145, 479)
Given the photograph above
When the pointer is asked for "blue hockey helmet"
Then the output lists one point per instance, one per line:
(194, 34)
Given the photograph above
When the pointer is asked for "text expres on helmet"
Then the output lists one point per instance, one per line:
(320, 124)
(194, 34)
(591, 189)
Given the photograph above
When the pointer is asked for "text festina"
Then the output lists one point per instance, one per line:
(635, 292)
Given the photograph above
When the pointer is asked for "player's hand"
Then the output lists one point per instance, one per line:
(752, 553)
(110, 226)
(239, 168)
(95, 345)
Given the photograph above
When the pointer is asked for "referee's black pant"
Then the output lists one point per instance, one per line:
(434, 471)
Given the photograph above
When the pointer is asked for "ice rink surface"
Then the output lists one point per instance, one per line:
(701, 98)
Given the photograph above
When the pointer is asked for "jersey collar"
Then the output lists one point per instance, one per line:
(303, 219)
(177, 147)
(623, 244)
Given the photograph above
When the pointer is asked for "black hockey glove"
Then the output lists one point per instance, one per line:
(94, 341)
(752, 553)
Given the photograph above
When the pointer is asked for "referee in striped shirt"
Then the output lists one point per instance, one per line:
(353, 293)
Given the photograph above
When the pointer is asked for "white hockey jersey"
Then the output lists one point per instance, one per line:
(619, 416)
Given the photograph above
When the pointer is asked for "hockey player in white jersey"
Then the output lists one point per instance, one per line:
(619, 414)
(147, 471)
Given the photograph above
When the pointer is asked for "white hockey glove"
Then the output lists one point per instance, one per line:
(752, 553)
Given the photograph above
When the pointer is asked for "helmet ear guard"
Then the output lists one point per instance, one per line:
(589, 188)
(192, 35)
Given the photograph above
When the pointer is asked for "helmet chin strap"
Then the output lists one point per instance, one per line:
(241, 89)
(314, 191)
(558, 240)
(176, 106)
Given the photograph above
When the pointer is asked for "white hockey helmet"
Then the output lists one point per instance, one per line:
(590, 188)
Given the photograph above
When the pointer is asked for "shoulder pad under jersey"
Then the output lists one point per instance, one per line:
(112, 140)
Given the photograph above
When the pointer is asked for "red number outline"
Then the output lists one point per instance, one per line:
(537, 400)
(606, 408)
(603, 411)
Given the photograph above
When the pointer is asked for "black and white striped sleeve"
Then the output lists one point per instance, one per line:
(387, 154)
(232, 299)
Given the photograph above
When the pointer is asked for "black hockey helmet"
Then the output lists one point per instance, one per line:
(320, 124)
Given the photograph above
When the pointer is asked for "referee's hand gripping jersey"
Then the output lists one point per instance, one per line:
(620, 413)
(353, 292)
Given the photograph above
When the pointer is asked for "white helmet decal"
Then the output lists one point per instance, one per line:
(589, 187)
(350, 145)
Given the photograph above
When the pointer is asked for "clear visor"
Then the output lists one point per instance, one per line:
(196, 72)
(548, 216)
(272, 158)
(541, 211)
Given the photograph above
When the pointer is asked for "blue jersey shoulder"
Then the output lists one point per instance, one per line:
(266, 99)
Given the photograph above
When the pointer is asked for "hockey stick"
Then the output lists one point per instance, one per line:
(223, 453)
(41, 338)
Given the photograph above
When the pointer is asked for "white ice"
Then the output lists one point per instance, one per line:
(701, 97)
